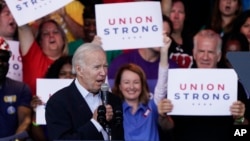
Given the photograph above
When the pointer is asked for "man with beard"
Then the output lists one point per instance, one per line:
(15, 97)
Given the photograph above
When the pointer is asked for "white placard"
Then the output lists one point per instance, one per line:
(202, 91)
(46, 88)
(25, 11)
(15, 63)
(129, 25)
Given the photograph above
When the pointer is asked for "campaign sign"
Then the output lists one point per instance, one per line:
(15, 63)
(46, 88)
(202, 91)
(129, 25)
(25, 11)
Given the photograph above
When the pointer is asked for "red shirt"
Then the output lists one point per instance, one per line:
(35, 65)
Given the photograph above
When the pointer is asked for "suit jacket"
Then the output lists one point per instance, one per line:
(68, 116)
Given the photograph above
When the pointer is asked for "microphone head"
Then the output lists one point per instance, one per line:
(104, 87)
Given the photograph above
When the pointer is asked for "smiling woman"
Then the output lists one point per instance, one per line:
(131, 86)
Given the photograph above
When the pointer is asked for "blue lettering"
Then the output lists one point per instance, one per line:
(216, 96)
(33, 1)
(124, 30)
(205, 96)
(226, 96)
(115, 29)
(25, 3)
(15, 66)
(18, 7)
(186, 95)
(106, 31)
(144, 28)
(154, 28)
(202, 96)
(177, 96)
(195, 96)
(28, 3)
(135, 29)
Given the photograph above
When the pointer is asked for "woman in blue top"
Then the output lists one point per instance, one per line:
(141, 118)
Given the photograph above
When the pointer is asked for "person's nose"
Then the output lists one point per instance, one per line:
(103, 71)
(92, 27)
(176, 15)
(229, 1)
(51, 34)
(205, 56)
(131, 86)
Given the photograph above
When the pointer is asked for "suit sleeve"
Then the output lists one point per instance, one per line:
(62, 124)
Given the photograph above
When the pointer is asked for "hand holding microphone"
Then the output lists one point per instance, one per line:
(105, 111)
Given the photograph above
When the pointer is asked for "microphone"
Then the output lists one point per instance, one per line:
(104, 97)
(101, 117)
(104, 93)
(118, 116)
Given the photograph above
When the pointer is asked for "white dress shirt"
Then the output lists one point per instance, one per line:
(93, 101)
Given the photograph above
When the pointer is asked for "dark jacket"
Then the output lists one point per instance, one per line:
(68, 117)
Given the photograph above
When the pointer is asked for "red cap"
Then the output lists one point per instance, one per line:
(4, 45)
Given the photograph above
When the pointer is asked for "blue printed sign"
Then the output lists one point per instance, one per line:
(15, 63)
(129, 25)
(25, 11)
(202, 91)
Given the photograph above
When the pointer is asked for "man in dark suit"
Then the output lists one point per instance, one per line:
(72, 112)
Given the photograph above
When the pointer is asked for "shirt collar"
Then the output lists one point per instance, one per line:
(82, 90)
(127, 107)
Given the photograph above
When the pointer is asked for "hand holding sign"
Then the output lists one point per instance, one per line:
(138, 27)
(202, 91)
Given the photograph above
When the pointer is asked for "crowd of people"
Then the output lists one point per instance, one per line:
(136, 106)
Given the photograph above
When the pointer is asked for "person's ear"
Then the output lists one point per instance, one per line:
(219, 57)
(194, 56)
(78, 70)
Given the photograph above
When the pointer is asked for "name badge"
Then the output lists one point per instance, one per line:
(147, 113)
(9, 99)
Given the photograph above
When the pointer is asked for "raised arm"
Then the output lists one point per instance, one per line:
(166, 6)
(161, 86)
(75, 28)
(163, 105)
(26, 38)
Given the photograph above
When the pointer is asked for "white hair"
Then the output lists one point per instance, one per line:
(208, 34)
(81, 52)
